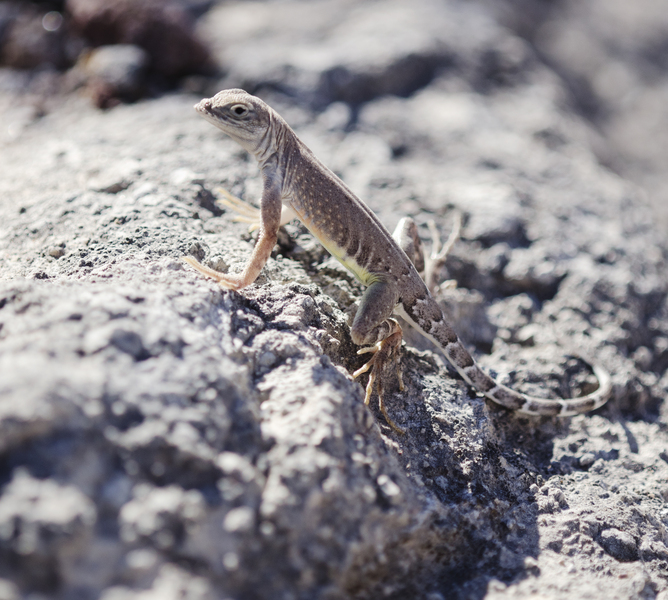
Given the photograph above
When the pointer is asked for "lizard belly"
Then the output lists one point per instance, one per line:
(363, 275)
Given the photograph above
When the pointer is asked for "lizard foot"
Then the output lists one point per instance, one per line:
(246, 213)
(428, 264)
(384, 351)
(439, 254)
(230, 282)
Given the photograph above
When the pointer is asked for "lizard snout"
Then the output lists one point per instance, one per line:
(203, 106)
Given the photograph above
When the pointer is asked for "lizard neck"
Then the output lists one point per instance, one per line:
(266, 146)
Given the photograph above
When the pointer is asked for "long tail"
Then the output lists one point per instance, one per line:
(427, 317)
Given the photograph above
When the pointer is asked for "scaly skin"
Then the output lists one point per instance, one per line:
(297, 184)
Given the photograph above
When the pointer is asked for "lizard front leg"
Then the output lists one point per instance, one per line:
(373, 328)
(270, 221)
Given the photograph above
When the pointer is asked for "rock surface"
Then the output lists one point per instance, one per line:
(163, 438)
(612, 55)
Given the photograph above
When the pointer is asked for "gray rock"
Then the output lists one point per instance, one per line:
(619, 544)
(622, 91)
(164, 30)
(327, 53)
(115, 71)
(32, 38)
(211, 444)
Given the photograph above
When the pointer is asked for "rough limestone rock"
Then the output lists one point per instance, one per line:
(162, 438)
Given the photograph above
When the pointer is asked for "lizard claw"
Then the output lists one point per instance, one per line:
(246, 213)
(439, 254)
(383, 352)
(229, 282)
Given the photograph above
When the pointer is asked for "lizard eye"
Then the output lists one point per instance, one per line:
(239, 110)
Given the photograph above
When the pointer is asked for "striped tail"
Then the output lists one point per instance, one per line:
(427, 317)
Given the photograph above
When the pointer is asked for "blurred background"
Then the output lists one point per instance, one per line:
(612, 55)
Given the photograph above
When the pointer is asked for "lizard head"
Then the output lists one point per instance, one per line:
(243, 117)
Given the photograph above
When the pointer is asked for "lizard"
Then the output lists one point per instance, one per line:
(296, 184)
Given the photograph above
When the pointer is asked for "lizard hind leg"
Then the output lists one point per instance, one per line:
(428, 264)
